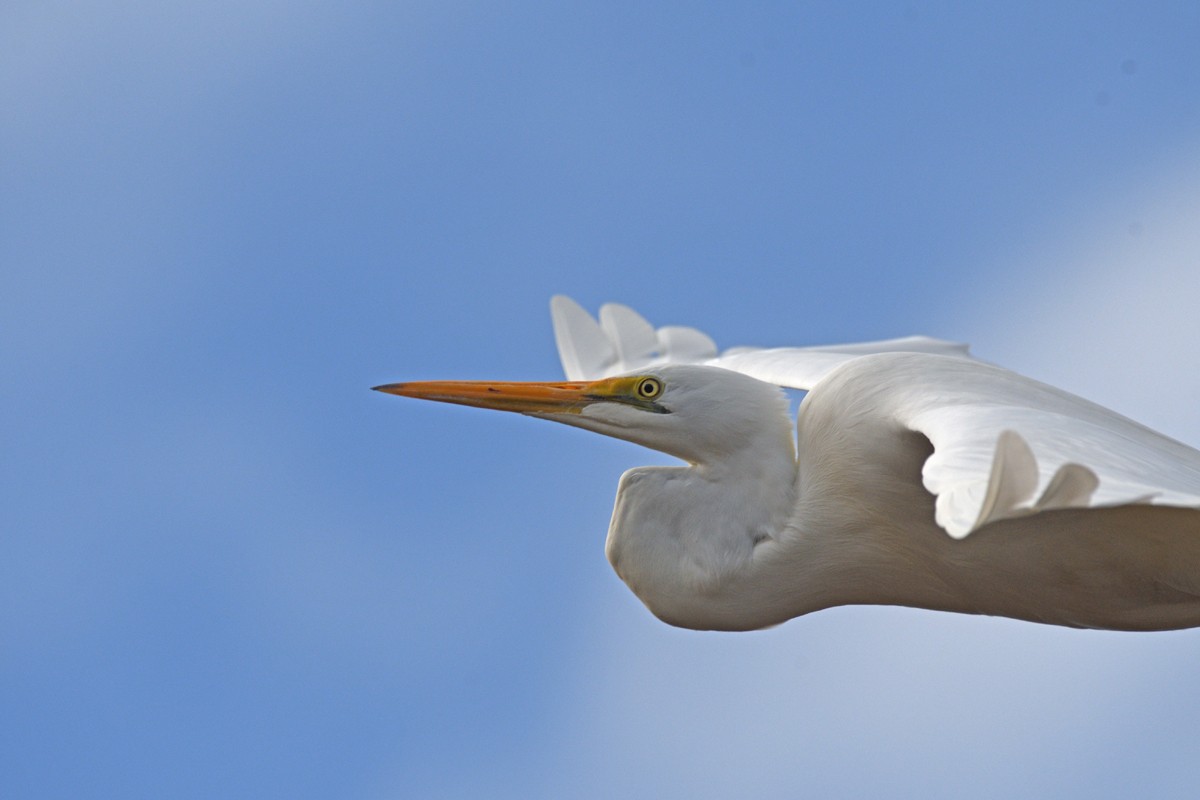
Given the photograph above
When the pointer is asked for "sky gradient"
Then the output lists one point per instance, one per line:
(228, 569)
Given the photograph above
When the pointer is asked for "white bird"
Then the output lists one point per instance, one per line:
(917, 476)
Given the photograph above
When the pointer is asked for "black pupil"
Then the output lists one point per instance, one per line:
(648, 388)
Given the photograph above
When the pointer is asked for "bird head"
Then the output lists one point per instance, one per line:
(695, 413)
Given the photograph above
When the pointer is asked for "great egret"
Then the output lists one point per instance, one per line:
(919, 477)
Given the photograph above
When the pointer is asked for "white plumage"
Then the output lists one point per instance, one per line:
(919, 476)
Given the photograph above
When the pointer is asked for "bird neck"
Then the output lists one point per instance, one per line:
(683, 537)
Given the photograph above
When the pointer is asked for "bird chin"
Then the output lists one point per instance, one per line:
(581, 420)
(605, 424)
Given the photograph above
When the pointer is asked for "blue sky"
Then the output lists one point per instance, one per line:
(228, 569)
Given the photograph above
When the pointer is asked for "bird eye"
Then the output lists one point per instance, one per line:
(649, 388)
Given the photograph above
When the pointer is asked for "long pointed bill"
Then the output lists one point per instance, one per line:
(524, 397)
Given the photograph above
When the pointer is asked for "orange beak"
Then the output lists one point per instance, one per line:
(523, 397)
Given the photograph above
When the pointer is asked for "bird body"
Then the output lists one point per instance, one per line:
(915, 475)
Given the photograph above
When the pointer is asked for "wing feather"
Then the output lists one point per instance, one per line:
(623, 341)
(584, 348)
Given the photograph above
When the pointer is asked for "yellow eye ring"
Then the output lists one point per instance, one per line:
(649, 388)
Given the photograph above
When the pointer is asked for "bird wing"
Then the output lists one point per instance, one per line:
(622, 341)
(1004, 445)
